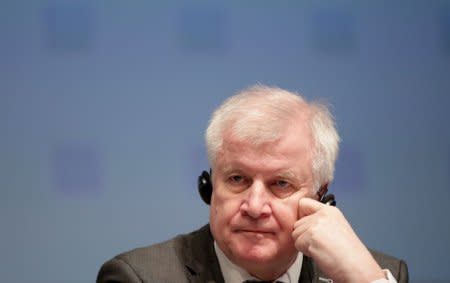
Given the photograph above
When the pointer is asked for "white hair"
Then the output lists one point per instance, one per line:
(259, 115)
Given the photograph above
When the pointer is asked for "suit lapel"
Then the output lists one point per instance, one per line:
(199, 257)
(310, 273)
(307, 272)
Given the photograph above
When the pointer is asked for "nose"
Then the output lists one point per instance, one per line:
(257, 202)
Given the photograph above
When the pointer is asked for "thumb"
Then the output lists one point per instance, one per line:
(308, 206)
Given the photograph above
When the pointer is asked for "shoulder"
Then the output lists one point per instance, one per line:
(396, 266)
(162, 262)
(169, 251)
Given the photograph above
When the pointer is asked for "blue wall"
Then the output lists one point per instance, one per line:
(103, 105)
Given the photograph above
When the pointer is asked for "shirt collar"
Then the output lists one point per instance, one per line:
(235, 274)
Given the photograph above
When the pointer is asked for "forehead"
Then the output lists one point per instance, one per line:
(291, 152)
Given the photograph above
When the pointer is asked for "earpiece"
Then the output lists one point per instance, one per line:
(325, 198)
(205, 187)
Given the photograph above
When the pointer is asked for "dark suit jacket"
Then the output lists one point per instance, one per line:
(191, 258)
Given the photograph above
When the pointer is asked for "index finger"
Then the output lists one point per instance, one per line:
(308, 206)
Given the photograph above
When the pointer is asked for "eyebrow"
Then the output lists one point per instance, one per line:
(279, 174)
(287, 175)
(229, 168)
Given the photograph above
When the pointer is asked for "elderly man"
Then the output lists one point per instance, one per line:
(272, 156)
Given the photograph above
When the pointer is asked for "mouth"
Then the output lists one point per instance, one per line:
(255, 232)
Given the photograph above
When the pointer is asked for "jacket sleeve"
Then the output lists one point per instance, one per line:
(117, 270)
(403, 275)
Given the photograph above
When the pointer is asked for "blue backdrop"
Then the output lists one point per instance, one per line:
(103, 106)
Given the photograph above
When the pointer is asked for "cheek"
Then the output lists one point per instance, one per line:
(223, 209)
(286, 214)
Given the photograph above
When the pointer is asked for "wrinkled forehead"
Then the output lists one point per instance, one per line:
(258, 128)
(293, 141)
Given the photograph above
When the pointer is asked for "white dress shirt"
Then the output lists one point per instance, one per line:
(235, 274)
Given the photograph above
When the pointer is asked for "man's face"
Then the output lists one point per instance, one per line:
(255, 198)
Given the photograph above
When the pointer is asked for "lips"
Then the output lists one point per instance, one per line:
(255, 231)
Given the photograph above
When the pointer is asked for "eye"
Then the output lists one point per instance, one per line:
(236, 179)
(237, 183)
(282, 188)
(282, 184)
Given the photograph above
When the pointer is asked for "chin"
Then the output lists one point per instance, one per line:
(261, 252)
(258, 257)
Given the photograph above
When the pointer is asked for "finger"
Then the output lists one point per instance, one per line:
(301, 244)
(302, 221)
(301, 225)
(308, 206)
(302, 238)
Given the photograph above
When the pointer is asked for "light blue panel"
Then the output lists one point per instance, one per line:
(103, 107)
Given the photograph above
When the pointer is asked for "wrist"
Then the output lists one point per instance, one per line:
(368, 275)
(366, 270)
